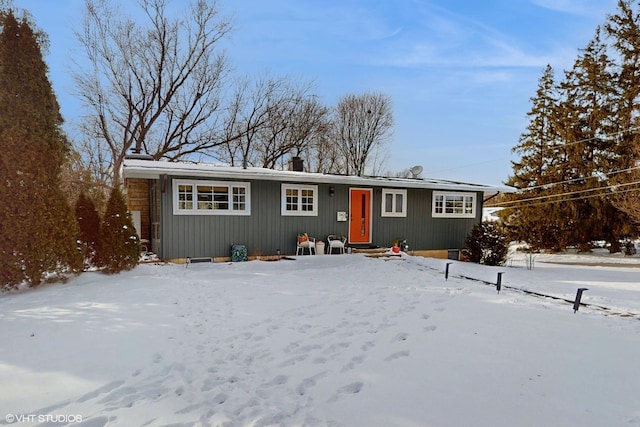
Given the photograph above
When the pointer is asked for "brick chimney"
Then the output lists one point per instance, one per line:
(296, 164)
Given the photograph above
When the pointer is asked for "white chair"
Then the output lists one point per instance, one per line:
(305, 242)
(335, 241)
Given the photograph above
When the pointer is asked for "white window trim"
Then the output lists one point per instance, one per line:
(195, 211)
(299, 212)
(394, 192)
(453, 215)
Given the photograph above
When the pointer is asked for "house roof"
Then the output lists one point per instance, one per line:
(152, 169)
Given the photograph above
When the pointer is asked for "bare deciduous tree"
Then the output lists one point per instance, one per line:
(269, 120)
(322, 155)
(362, 123)
(247, 114)
(294, 122)
(154, 87)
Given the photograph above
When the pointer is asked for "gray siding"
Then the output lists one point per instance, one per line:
(266, 230)
(419, 228)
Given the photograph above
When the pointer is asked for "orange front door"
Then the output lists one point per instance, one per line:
(360, 215)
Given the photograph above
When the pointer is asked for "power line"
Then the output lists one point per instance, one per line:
(519, 203)
(568, 181)
(603, 136)
(555, 147)
(571, 199)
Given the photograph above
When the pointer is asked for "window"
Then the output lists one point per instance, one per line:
(211, 198)
(394, 202)
(299, 200)
(454, 205)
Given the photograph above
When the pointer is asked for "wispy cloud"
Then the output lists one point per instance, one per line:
(311, 31)
(595, 8)
(445, 38)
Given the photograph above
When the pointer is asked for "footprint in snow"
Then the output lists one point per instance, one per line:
(104, 389)
(339, 346)
(221, 398)
(190, 408)
(294, 360)
(397, 355)
(353, 388)
(401, 337)
(209, 384)
(430, 328)
(309, 382)
(277, 380)
(118, 395)
(352, 364)
(367, 346)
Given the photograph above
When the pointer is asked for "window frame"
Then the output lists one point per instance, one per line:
(299, 203)
(394, 192)
(444, 214)
(215, 185)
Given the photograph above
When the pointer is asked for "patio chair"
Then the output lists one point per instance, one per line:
(305, 242)
(336, 241)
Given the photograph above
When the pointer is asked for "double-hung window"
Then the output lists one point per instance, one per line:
(394, 202)
(299, 200)
(454, 205)
(211, 197)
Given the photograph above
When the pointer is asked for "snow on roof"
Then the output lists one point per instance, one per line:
(152, 169)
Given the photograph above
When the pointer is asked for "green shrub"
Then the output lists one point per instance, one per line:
(486, 244)
(89, 224)
(118, 243)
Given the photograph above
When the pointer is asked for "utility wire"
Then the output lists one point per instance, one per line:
(570, 199)
(568, 181)
(555, 147)
(522, 202)
(604, 136)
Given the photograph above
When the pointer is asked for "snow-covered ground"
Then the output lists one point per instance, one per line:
(342, 340)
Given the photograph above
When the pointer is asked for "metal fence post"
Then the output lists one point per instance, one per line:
(499, 282)
(446, 271)
(576, 303)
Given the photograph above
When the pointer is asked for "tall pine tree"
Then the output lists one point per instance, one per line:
(570, 154)
(587, 119)
(623, 28)
(38, 230)
(537, 218)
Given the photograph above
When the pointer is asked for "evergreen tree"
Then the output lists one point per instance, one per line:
(586, 116)
(118, 244)
(89, 223)
(486, 244)
(623, 28)
(37, 228)
(537, 217)
(568, 157)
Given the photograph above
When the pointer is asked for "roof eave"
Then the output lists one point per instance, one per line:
(155, 169)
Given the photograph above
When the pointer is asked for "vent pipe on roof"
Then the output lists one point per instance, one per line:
(296, 164)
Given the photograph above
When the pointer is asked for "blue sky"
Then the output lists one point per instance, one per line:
(460, 72)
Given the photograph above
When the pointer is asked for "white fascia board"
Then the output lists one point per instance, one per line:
(149, 169)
